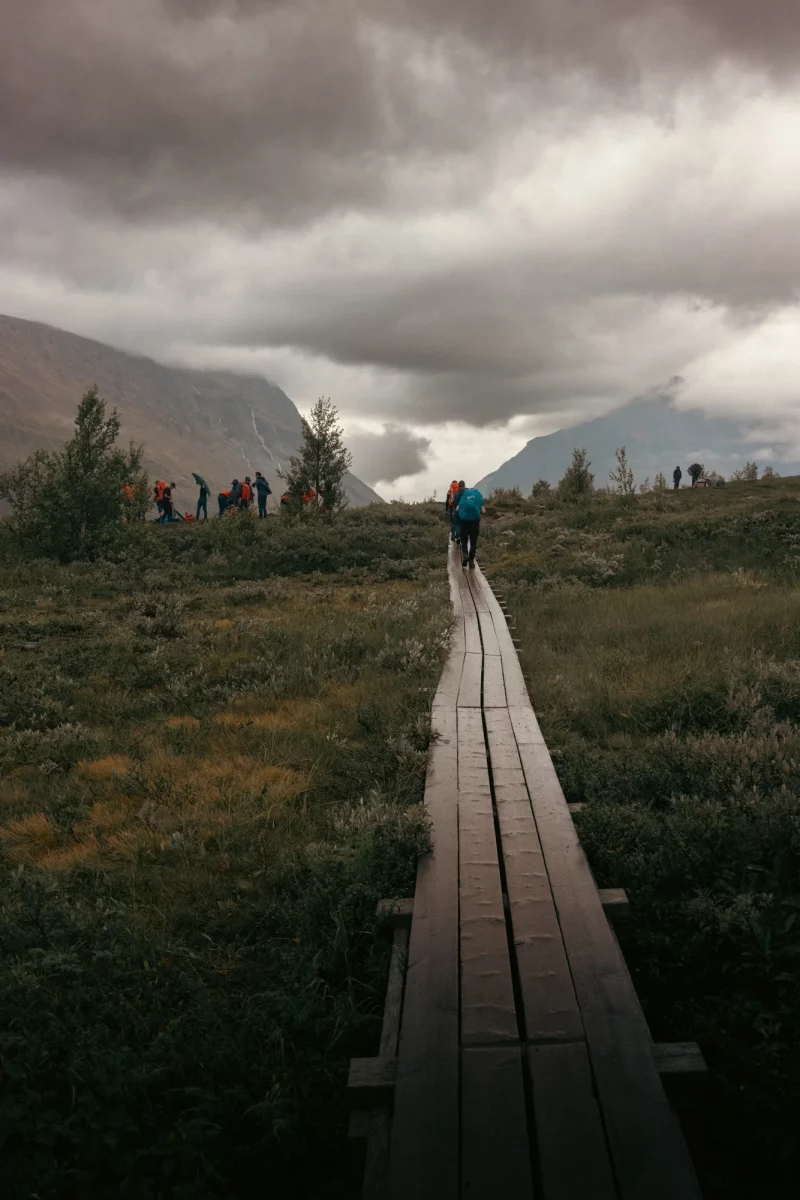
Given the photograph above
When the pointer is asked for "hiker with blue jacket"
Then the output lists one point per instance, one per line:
(469, 509)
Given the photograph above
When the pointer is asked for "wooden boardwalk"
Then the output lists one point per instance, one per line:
(516, 1061)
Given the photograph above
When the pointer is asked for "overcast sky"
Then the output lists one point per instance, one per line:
(467, 221)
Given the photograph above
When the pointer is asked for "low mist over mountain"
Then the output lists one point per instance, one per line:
(658, 437)
(214, 422)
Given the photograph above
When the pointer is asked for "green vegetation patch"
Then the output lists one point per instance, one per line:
(210, 771)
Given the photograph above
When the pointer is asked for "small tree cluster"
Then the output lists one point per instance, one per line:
(623, 478)
(62, 502)
(322, 463)
(577, 483)
(541, 489)
(661, 482)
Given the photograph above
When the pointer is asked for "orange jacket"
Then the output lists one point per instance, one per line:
(160, 487)
(247, 492)
(309, 495)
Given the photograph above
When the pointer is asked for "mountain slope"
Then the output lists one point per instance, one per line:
(658, 436)
(217, 423)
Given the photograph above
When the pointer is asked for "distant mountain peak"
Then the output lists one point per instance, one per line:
(657, 434)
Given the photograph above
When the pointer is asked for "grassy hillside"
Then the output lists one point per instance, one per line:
(211, 756)
(661, 642)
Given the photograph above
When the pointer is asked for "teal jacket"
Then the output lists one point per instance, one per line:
(470, 503)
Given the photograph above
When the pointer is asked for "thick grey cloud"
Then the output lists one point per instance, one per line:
(484, 208)
(392, 454)
(265, 107)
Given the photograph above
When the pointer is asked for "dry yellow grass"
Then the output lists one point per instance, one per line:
(28, 838)
(105, 768)
(291, 715)
(182, 723)
(69, 858)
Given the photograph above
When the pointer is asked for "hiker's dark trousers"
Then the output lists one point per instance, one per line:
(262, 505)
(469, 538)
(677, 484)
(202, 507)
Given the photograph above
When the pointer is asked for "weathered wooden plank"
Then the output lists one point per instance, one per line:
(469, 693)
(488, 1011)
(650, 1157)
(516, 689)
(450, 681)
(495, 1153)
(491, 646)
(481, 605)
(393, 1005)
(526, 727)
(573, 1156)
(424, 1152)
(494, 688)
(373, 1185)
(548, 997)
(472, 633)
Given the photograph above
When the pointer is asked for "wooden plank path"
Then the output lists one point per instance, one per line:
(524, 1067)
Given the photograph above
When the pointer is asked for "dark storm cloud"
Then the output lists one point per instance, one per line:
(162, 162)
(387, 456)
(168, 107)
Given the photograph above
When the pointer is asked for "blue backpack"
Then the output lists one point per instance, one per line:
(470, 505)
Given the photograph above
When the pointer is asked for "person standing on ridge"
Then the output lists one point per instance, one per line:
(202, 503)
(167, 507)
(262, 491)
(247, 494)
(677, 476)
(158, 496)
(450, 508)
(470, 510)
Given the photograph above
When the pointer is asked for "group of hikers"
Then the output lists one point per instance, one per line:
(695, 473)
(464, 507)
(241, 495)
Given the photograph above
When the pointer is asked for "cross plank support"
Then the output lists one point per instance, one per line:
(615, 903)
(371, 1082)
(396, 913)
(681, 1066)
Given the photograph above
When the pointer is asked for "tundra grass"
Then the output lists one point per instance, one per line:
(206, 784)
(661, 643)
